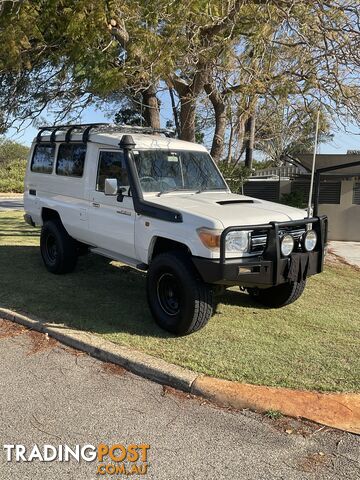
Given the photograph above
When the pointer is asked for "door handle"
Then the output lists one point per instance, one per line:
(97, 205)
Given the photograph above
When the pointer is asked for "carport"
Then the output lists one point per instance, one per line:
(344, 218)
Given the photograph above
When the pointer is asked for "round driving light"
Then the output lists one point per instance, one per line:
(310, 240)
(287, 245)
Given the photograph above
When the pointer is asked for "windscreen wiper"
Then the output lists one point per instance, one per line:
(210, 189)
(177, 189)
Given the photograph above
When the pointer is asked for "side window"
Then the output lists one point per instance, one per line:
(71, 159)
(111, 165)
(43, 158)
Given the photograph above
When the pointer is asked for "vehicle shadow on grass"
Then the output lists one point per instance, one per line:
(101, 296)
(238, 299)
(9, 229)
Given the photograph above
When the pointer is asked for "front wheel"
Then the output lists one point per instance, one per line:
(179, 300)
(278, 296)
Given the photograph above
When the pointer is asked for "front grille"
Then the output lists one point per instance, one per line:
(259, 238)
(258, 241)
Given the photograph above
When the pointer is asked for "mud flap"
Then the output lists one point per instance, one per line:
(298, 268)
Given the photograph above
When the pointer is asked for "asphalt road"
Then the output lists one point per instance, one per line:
(8, 203)
(50, 394)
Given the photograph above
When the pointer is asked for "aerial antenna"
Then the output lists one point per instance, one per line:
(309, 209)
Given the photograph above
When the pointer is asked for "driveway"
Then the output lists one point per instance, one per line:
(349, 251)
(51, 394)
(11, 203)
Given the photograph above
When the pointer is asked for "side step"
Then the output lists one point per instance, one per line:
(119, 258)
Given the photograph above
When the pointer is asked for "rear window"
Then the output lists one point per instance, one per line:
(43, 158)
(71, 160)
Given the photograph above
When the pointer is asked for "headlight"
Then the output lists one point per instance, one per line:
(309, 240)
(237, 241)
(287, 245)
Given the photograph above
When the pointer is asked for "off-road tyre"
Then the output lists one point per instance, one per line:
(59, 251)
(279, 296)
(179, 300)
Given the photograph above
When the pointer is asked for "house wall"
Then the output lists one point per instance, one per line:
(267, 189)
(344, 219)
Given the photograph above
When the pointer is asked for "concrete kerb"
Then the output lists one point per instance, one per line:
(137, 362)
(336, 410)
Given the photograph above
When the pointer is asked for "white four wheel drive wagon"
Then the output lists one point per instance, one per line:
(161, 205)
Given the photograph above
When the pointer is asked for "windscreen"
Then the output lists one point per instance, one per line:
(164, 170)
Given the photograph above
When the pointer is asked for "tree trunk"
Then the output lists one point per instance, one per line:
(188, 93)
(187, 118)
(250, 140)
(229, 154)
(239, 128)
(151, 107)
(218, 104)
(175, 112)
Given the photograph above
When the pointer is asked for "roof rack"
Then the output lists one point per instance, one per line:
(111, 127)
(85, 129)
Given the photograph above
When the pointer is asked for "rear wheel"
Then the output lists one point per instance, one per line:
(179, 300)
(58, 249)
(278, 296)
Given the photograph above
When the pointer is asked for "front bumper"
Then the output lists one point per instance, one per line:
(270, 268)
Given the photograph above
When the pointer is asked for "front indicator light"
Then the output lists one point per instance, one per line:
(287, 245)
(210, 238)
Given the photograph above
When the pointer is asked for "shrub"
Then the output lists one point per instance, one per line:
(235, 176)
(12, 166)
(12, 176)
(294, 199)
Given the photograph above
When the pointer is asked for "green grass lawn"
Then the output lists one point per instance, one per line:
(312, 344)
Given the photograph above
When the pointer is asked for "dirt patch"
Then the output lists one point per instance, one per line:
(40, 342)
(10, 329)
(112, 369)
(185, 396)
(313, 462)
(73, 351)
(295, 426)
(180, 395)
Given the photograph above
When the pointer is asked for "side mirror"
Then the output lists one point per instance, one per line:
(111, 187)
(121, 191)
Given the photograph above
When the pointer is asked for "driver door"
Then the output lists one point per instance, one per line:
(112, 222)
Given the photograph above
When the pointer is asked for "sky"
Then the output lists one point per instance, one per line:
(341, 143)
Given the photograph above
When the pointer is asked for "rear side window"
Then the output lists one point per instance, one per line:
(71, 159)
(43, 158)
(111, 165)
